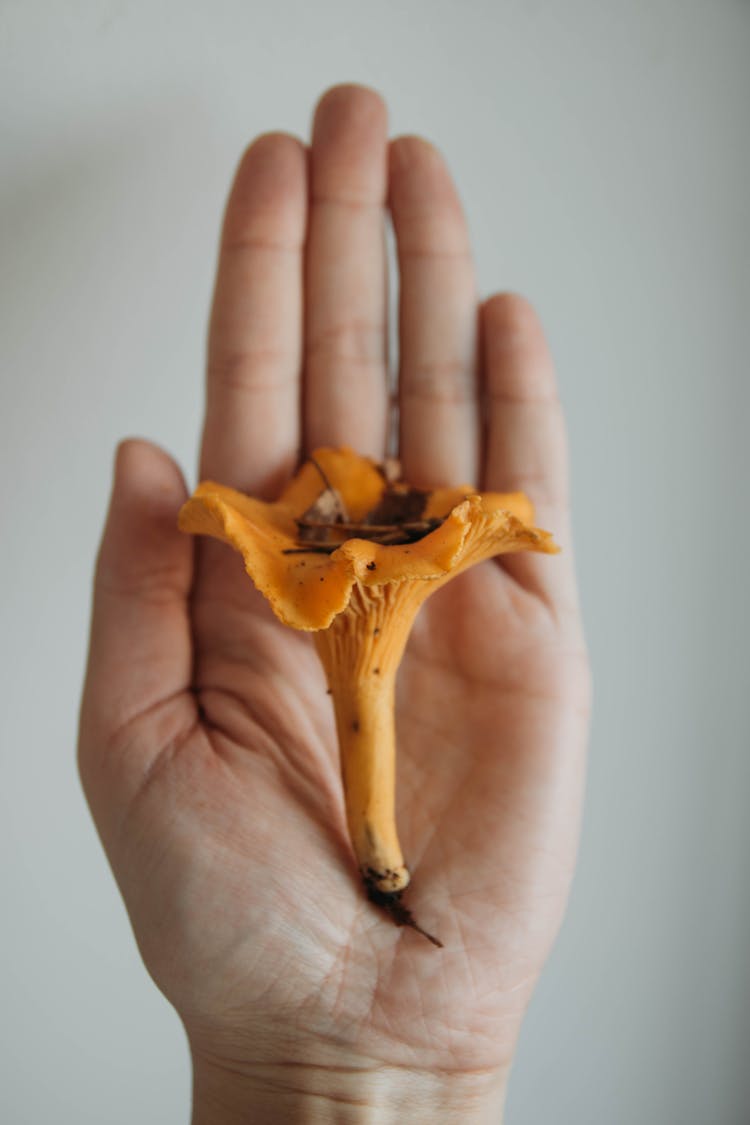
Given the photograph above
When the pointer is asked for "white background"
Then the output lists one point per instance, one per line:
(602, 151)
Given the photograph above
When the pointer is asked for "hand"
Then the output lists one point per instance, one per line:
(207, 745)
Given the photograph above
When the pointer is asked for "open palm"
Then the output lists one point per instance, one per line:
(208, 748)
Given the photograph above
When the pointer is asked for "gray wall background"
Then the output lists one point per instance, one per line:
(602, 151)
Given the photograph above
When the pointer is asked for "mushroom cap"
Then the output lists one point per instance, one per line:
(307, 590)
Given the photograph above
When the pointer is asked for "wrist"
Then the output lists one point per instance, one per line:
(356, 1091)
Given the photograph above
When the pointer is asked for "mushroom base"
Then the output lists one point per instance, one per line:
(395, 909)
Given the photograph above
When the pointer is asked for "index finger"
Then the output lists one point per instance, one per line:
(251, 432)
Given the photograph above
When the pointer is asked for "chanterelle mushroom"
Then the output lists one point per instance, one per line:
(351, 552)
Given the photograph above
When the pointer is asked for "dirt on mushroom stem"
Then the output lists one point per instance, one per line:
(396, 910)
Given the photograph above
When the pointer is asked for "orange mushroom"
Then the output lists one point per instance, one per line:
(350, 552)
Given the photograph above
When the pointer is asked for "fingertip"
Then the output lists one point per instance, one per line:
(276, 144)
(148, 490)
(518, 360)
(512, 313)
(269, 185)
(350, 103)
(417, 170)
(146, 473)
(348, 155)
(410, 149)
(424, 199)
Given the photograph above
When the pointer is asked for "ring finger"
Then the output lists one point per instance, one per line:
(439, 417)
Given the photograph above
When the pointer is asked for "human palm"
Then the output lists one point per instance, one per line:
(208, 747)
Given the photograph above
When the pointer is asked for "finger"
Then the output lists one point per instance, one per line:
(251, 433)
(346, 304)
(437, 319)
(140, 646)
(526, 439)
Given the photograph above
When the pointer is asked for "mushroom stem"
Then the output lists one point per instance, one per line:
(361, 651)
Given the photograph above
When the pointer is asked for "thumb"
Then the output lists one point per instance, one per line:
(140, 658)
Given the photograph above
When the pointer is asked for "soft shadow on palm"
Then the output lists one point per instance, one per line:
(251, 875)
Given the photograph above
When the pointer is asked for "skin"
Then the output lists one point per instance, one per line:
(207, 743)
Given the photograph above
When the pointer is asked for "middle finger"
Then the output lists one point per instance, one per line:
(346, 291)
